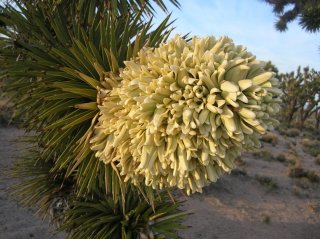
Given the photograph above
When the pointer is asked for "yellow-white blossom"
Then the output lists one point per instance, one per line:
(184, 111)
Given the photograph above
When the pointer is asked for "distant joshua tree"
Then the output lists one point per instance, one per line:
(301, 91)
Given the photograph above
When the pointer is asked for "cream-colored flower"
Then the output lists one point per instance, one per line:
(184, 111)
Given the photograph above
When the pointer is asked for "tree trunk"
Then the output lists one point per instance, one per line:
(301, 120)
(318, 119)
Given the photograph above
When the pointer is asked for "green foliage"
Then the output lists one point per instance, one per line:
(116, 6)
(1, 14)
(102, 217)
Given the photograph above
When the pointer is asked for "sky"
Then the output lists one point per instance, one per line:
(249, 23)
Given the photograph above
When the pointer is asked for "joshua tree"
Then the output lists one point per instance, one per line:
(310, 101)
(307, 12)
(289, 86)
(300, 97)
(120, 115)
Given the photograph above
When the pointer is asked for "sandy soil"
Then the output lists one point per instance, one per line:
(236, 207)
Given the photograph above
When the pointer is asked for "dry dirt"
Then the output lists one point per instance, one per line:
(17, 222)
(238, 206)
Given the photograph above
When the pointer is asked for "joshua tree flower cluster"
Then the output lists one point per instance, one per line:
(179, 115)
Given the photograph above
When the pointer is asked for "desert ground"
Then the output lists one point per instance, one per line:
(257, 200)
(17, 222)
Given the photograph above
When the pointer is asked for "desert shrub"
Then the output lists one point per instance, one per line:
(293, 132)
(239, 172)
(311, 133)
(299, 189)
(263, 154)
(313, 151)
(288, 145)
(270, 138)
(311, 147)
(302, 183)
(267, 181)
(307, 134)
(299, 172)
(313, 177)
(282, 129)
(306, 142)
(266, 219)
(296, 172)
(293, 157)
(281, 157)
